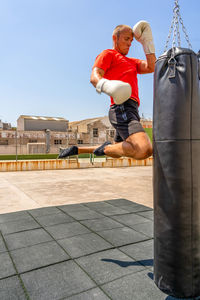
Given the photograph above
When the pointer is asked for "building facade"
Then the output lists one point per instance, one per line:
(39, 123)
(36, 135)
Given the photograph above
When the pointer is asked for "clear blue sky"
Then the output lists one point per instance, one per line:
(48, 48)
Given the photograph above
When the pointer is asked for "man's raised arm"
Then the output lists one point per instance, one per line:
(143, 34)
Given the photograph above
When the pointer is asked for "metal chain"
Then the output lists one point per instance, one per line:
(175, 27)
(184, 30)
(176, 33)
(169, 35)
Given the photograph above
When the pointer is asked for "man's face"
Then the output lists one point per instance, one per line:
(123, 42)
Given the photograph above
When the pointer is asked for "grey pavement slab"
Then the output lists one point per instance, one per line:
(84, 244)
(135, 286)
(2, 245)
(44, 211)
(145, 228)
(112, 211)
(130, 219)
(72, 207)
(57, 281)
(26, 238)
(146, 214)
(19, 225)
(94, 294)
(38, 256)
(142, 252)
(6, 266)
(98, 205)
(122, 236)
(19, 215)
(101, 224)
(108, 265)
(54, 219)
(119, 202)
(66, 230)
(11, 289)
(134, 207)
(140, 208)
(85, 214)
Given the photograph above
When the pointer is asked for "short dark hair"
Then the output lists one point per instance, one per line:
(120, 28)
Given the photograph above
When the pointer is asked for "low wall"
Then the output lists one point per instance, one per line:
(57, 164)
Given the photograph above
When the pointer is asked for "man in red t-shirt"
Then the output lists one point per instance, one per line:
(116, 75)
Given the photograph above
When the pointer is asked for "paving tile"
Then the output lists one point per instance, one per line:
(19, 215)
(135, 286)
(134, 207)
(142, 252)
(19, 225)
(44, 211)
(139, 208)
(2, 245)
(130, 219)
(147, 214)
(101, 224)
(94, 294)
(6, 266)
(122, 236)
(37, 256)
(11, 289)
(54, 219)
(112, 211)
(57, 281)
(98, 205)
(84, 214)
(145, 228)
(62, 231)
(119, 202)
(108, 265)
(72, 207)
(26, 238)
(84, 244)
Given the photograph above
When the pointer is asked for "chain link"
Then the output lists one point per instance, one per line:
(175, 27)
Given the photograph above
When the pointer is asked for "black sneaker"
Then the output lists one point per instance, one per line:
(73, 150)
(100, 150)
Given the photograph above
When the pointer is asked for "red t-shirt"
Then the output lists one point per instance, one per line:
(119, 67)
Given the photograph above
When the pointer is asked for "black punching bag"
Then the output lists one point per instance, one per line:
(176, 173)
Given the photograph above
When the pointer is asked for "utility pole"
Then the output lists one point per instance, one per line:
(16, 142)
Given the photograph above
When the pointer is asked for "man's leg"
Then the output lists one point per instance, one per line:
(74, 150)
(89, 149)
(137, 146)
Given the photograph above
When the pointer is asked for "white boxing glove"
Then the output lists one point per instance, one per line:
(120, 91)
(143, 34)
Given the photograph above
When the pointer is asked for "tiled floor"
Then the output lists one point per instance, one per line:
(88, 251)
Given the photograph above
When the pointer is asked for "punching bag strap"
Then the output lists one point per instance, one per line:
(172, 67)
(175, 27)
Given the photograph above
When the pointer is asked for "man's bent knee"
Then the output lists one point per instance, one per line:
(142, 152)
(145, 153)
(141, 146)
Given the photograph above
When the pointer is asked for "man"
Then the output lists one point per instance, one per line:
(116, 75)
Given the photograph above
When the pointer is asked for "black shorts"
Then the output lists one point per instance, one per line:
(125, 119)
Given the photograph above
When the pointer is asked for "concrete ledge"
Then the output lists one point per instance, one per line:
(57, 164)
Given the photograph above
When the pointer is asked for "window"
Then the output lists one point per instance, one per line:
(95, 132)
(32, 141)
(80, 141)
(112, 133)
(57, 142)
(4, 142)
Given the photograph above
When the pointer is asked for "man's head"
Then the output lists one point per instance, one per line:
(122, 38)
